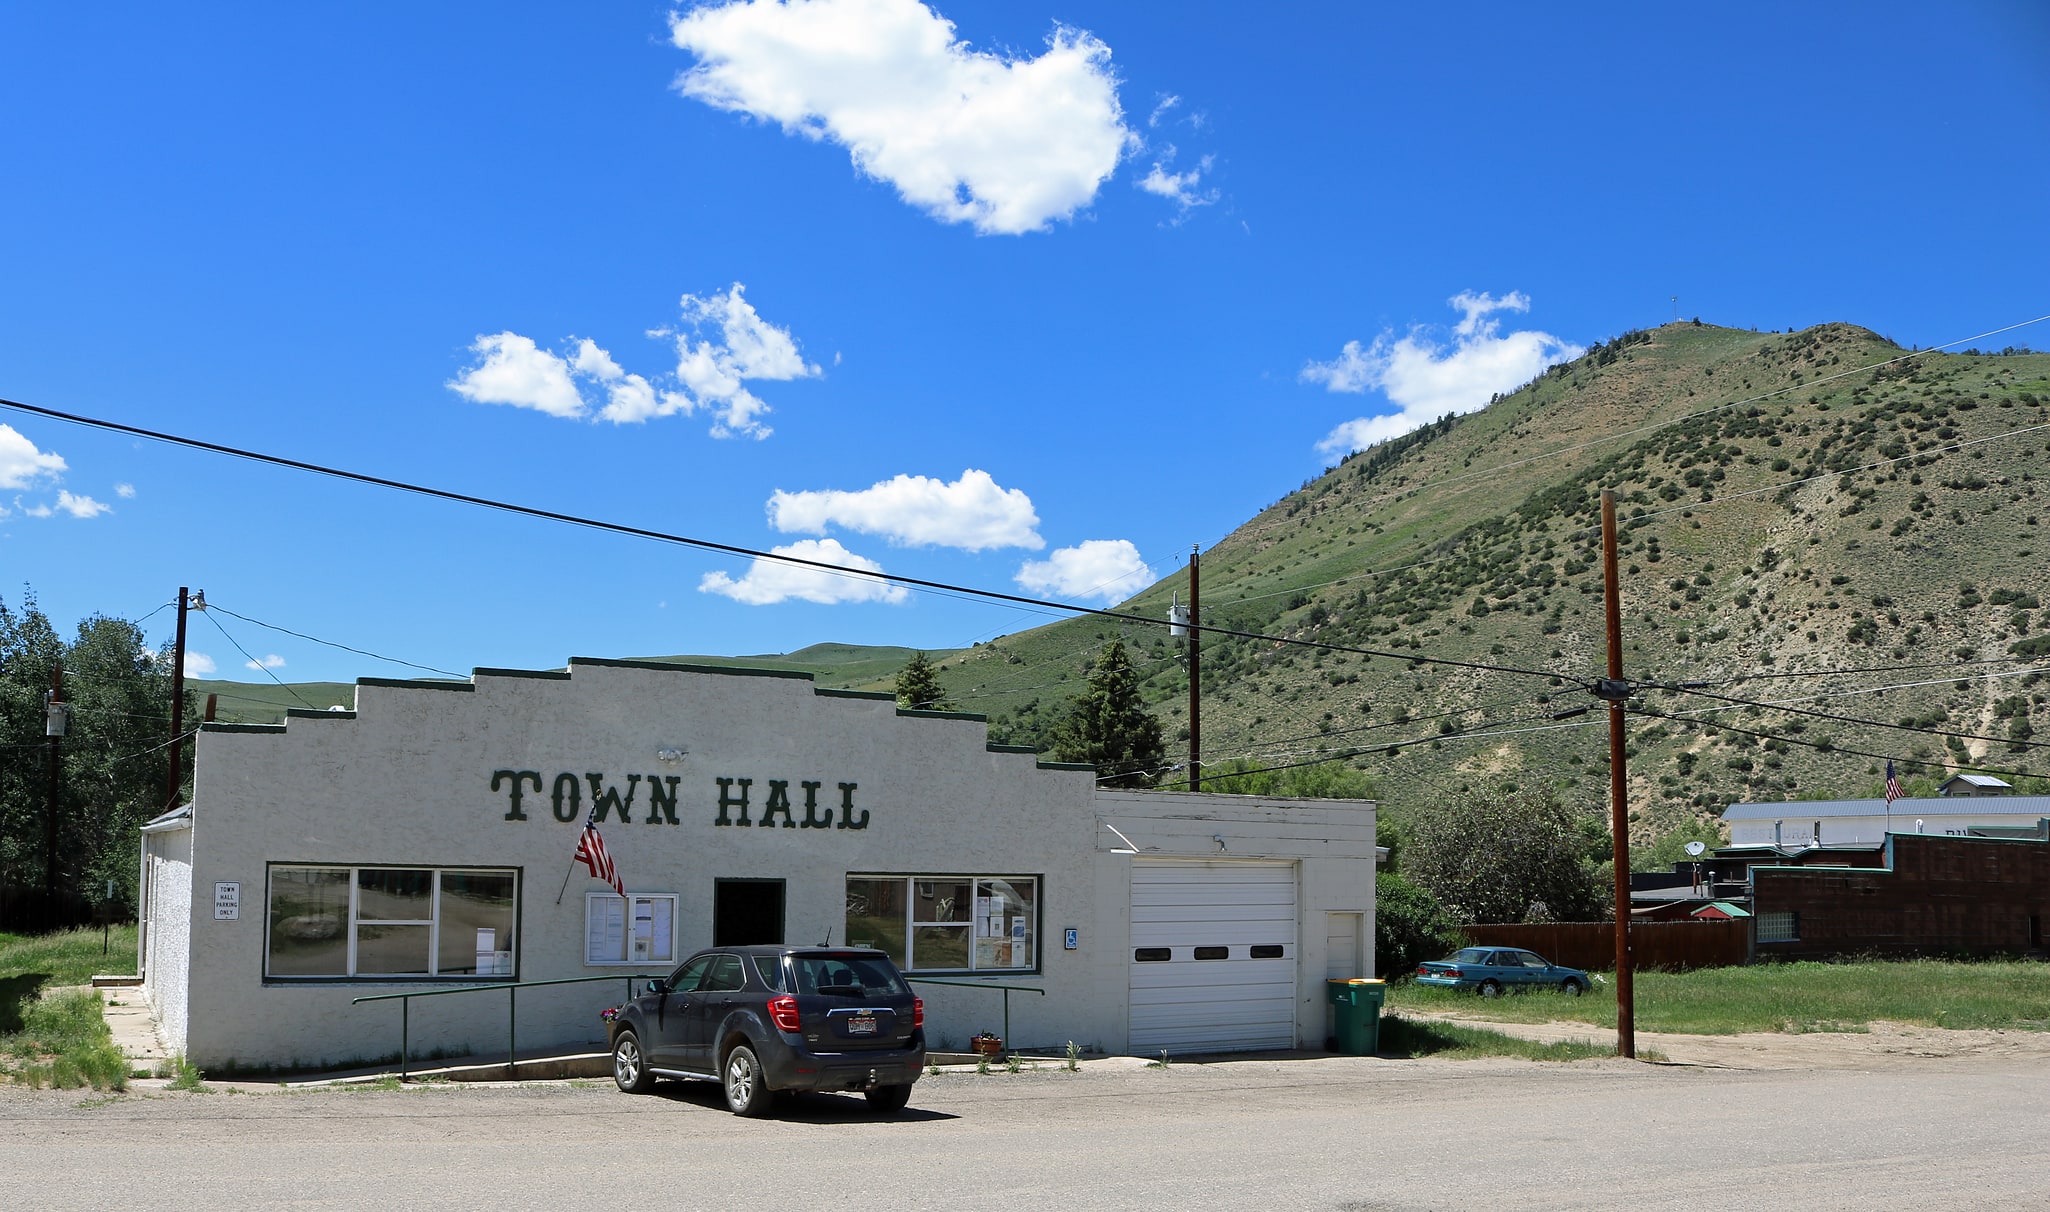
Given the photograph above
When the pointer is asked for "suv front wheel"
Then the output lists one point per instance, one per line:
(629, 1067)
(747, 1087)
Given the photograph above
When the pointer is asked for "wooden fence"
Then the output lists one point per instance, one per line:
(1675, 946)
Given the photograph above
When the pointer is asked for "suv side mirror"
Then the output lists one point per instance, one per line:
(655, 986)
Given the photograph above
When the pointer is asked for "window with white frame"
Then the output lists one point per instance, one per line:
(947, 923)
(638, 928)
(380, 923)
(1779, 926)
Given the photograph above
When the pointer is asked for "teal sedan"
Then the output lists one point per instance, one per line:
(1493, 971)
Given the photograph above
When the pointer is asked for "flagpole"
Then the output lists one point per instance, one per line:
(565, 881)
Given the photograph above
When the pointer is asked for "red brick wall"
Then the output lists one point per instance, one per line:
(1944, 895)
(1676, 946)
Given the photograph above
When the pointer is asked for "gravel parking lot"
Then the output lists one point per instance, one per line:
(1315, 1132)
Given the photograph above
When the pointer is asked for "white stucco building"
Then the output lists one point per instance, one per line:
(422, 842)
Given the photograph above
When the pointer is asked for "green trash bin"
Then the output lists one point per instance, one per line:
(1356, 1014)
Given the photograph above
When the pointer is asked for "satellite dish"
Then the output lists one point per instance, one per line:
(1694, 849)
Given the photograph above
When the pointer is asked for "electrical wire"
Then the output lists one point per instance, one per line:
(266, 670)
(704, 544)
(1821, 746)
(213, 606)
(1862, 723)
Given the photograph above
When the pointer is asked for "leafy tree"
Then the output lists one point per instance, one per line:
(113, 757)
(1672, 847)
(1491, 856)
(1107, 725)
(1410, 926)
(918, 686)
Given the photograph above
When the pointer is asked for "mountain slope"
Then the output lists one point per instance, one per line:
(1777, 519)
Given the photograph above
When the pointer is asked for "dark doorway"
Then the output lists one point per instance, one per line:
(746, 911)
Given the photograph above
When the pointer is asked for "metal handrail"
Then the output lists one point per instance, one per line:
(512, 998)
(927, 980)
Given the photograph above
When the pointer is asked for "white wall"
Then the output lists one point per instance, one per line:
(167, 930)
(408, 781)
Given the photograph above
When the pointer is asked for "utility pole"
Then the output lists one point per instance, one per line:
(56, 722)
(1195, 674)
(177, 707)
(1615, 691)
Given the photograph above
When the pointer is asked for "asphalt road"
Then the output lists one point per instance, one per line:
(1329, 1133)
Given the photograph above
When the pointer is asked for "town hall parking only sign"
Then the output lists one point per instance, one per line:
(227, 902)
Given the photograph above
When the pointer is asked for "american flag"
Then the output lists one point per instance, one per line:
(1893, 784)
(591, 853)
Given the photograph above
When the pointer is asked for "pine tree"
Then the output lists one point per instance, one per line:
(1108, 726)
(918, 686)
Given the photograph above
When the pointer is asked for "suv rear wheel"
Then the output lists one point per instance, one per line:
(747, 1087)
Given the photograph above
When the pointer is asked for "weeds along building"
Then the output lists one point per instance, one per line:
(424, 841)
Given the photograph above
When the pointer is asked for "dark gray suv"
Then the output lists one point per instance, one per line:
(761, 1020)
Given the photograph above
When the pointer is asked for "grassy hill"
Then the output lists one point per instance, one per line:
(1794, 527)
(1782, 526)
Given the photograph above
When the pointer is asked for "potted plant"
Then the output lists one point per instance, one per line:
(987, 1044)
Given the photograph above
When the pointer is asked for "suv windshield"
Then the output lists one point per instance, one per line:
(847, 975)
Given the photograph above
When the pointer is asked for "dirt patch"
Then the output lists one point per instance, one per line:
(1881, 1044)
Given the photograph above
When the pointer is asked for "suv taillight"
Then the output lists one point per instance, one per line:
(917, 1012)
(783, 1012)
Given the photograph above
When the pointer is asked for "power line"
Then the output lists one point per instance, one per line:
(1862, 723)
(1825, 746)
(706, 544)
(212, 606)
(256, 664)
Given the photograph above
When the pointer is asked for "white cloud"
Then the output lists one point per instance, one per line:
(125, 491)
(972, 513)
(34, 511)
(967, 136)
(1183, 189)
(770, 581)
(1426, 380)
(80, 507)
(21, 464)
(1166, 104)
(198, 664)
(748, 347)
(273, 661)
(1106, 569)
(513, 370)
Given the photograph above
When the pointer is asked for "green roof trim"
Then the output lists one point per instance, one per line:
(828, 692)
(921, 713)
(993, 747)
(546, 675)
(417, 684)
(1089, 766)
(216, 727)
(681, 667)
(317, 713)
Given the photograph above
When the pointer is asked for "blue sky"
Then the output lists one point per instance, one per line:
(1025, 298)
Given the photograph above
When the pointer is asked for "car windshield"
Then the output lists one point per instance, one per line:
(1472, 955)
(847, 975)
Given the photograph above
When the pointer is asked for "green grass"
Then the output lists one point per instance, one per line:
(68, 957)
(1407, 1037)
(64, 1042)
(1787, 998)
(51, 1034)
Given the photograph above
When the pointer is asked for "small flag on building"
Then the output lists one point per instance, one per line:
(591, 853)
(1893, 784)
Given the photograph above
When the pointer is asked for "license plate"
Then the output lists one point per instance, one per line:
(861, 1024)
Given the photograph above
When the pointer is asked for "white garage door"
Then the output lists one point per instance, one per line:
(1213, 956)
